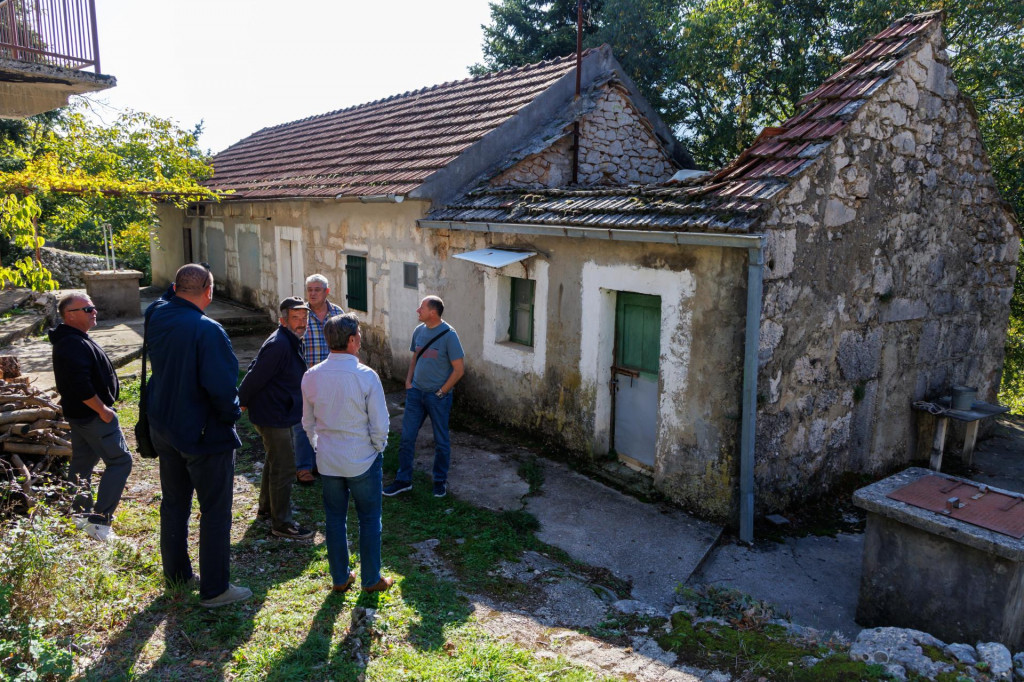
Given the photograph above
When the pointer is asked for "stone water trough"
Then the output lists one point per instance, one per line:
(929, 565)
(115, 292)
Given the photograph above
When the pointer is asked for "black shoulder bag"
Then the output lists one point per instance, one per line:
(428, 344)
(143, 439)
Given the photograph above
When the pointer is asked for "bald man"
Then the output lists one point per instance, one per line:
(88, 389)
(193, 407)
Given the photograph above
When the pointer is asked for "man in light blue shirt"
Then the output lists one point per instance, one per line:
(345, 415)
(437, 365)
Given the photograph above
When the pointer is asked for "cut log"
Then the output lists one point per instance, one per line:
(26, 485)
(27, 416)
(36, 449)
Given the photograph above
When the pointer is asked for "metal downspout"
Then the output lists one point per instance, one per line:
(751, 342)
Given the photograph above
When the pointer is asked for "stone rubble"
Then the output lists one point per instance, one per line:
(67, 267)
(998, 659)
(902, 652)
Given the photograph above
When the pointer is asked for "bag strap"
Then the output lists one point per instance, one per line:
(430, 343)
(145, 349)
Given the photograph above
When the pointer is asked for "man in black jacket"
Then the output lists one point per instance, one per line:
(88, 388)
(272, 392)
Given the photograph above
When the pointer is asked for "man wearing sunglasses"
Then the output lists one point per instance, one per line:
(88, 388)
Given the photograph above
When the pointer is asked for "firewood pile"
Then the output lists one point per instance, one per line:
(33, 434)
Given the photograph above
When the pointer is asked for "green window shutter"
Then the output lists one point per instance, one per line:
(355, 271)
(520, 317)
(638, 332)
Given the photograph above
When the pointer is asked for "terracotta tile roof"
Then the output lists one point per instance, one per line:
(384, 147)
(730, 199)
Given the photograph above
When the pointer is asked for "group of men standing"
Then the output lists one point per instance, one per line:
(315, 406)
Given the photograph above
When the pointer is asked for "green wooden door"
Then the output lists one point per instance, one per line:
(355, 271)
(635, 376)
(638, 332)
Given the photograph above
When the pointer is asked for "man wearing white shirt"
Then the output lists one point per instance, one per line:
(346, 418)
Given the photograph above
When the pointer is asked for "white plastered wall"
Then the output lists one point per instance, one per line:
(497, 292)
(597, 342)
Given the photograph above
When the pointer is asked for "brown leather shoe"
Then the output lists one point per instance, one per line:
(348, 583)
(382, 585)
(304, 477)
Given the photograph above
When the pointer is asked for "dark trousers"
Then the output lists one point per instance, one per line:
(278, 474)
(93, 440)
(211, 478)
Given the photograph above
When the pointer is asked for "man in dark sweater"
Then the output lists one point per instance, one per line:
(88, 389)
(272, 392)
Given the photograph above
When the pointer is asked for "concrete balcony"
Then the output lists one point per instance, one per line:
(45, 45)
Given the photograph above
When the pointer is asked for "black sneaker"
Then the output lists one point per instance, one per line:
(440, 488)
(397, 487)
(293, 531)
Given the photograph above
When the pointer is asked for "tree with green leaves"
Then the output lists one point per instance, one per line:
(63, 176)
(529, 31)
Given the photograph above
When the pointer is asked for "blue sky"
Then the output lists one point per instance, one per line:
(242, 65)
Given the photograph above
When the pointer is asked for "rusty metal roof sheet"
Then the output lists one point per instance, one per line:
(976, 504)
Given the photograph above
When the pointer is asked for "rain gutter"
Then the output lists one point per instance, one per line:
(753, 243)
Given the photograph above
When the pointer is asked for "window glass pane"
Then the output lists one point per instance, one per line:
(520, 329)
(412, 275)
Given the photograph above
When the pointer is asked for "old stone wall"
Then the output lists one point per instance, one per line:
(67, 267)
(617, 147)
(890, 266)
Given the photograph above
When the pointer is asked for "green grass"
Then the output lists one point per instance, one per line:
(764, 652)
(72, 608)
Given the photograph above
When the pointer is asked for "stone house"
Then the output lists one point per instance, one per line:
(763, 327)
(341, 193)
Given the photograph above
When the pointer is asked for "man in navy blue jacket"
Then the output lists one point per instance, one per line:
(88, 389)
(272, 392)
(193, 407)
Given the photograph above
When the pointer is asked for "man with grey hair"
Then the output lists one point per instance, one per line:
(88, 389)
(346, 418)
(315, 350)
(193, 407)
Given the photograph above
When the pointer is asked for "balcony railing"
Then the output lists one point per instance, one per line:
(51, 32)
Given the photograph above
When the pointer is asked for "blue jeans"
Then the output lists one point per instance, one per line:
(365, 490)
(92, 440)
(418, 406)
(304, 454)
(211, 478)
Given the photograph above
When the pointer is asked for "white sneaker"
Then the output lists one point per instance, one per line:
(81, 520)
(231, 595)
(98, 531)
